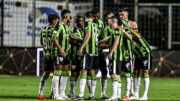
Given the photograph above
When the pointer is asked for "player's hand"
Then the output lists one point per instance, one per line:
(63, 54)
(80, 52)
(110, 56)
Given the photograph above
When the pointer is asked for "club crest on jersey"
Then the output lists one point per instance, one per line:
(145, 62)
(73, 66)
(127, 65)
(60, 59)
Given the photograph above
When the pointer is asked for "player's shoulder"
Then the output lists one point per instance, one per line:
(100, 21)
(58, 24)
(88, 23)
(133, 24)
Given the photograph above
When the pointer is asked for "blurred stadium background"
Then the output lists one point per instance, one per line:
(21, 21)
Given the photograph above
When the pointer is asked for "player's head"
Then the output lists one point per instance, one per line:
(88, 16)
(79, 21)
(123, 13)
(52, 19)
(65, 14)
(95, 14)
(108, 15)
(69, 21)
(113, 22)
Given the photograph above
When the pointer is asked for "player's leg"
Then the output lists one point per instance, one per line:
(114, 78)
(119, 87)
(127, 69)
(48, 66)
(64, 78)
(137, 79)
(146, 84)
(83, 76)
(132, 78)
(89, 82)
(118, 72)
(93, 83)
(103, 69)
(75, 70)
(92, 72)
(146, 67)
(73, 82)
(42, 84)
(55, 80)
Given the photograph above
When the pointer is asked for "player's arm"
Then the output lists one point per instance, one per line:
(104, 45)
(115, 44)
(59, 46)
(55, 41)
(105, 40)
(86, 39)
(135, 33)
(41, 40)
(74, 36)
(128, 36)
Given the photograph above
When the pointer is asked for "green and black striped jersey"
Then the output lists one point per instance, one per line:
(127, 44)
(75, 44)
(62, 32)
(106, 32)
(117, 54)
(100, 24)
(91, 46)
(141, 48)
(46, 40)
(99, 28)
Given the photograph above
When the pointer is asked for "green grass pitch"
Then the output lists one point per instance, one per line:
(25, 88)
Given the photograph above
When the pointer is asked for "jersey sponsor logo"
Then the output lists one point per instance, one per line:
(100, 26)
(55, 32)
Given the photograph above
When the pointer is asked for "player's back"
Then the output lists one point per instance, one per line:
(46, 40)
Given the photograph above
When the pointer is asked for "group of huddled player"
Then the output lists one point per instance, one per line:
(78, 53)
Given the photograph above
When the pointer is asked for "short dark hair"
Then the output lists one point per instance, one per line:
(124, 9)
(88, 14)
(78, 17)
(64, 12)
(52, 17)
(107, 13)
(95, 11)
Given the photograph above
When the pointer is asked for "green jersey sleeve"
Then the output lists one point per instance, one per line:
(100, 24)
(125, 24)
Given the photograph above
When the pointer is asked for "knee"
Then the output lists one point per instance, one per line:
(83, 71)
(145, 72)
